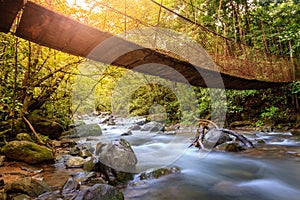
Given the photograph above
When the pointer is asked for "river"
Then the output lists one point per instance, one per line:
(271, 171)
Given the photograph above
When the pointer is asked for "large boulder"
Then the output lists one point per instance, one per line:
(29, 186)
(100, 191)
(46, 126)
(28, 152)
(117, 154)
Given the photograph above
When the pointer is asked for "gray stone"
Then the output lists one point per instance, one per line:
(100, 191)
(117, 154)
(70, 186)
(28, 152)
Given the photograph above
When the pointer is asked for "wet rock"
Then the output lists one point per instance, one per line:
(100, 191)
(75, 162)
(29, 186)
(24, 137)
(82, 177)
(50, 196)
(70, 186)
(157, 173)
(227, 188)
(153, 127)
(2, 159)
(117, 154)
(112, 176)
(230, 147)
(126, 133)
(135, 127)
(141, 121)
(84, 150)
(28, 152)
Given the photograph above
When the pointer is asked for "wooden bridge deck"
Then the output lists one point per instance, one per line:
(51, 29)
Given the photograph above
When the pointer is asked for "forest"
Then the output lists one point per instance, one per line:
(44, 92)
(36, 79)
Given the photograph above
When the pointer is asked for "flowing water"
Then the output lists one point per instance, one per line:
(269, 172)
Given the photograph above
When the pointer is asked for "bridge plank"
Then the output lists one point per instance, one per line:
(8, 12)
(51, 29)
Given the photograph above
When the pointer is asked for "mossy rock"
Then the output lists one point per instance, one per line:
(157, 173)
(28, 152)
(24, 137)
(29, 186)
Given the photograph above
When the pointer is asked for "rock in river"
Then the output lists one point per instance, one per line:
(117, 154)
(100, 191)
(28, 152)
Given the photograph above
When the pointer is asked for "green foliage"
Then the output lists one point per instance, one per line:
(34, 78)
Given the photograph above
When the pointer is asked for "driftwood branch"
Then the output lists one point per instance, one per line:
(34, 132)
(241, 138)
(203, 129)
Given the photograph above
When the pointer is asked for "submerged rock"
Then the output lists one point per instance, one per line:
(100, 191)
(126, 133)
(231, 147)
(28, 152)
(157, 173)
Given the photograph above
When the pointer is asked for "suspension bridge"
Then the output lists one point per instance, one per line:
(233, 65)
